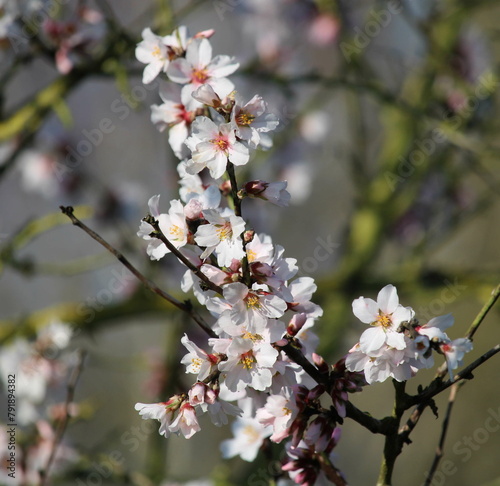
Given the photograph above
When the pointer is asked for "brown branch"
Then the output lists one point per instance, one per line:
(437, 386)
(61, 429)
(183, 306)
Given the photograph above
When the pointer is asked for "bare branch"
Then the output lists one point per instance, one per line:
(444, 430)
(183, 306)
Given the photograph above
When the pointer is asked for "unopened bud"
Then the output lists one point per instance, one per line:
(320, 363)
(296, 323)
(248, 236)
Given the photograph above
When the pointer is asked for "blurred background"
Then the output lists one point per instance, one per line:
(388, 138)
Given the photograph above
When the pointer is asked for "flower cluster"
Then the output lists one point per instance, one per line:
(397, 345)
(262, 312)
(241, 277)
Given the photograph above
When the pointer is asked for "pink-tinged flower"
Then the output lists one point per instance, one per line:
(299, 300)
(249, 435)
(213, 146)
(186, 422)
(197, 361)
(279, 412)
(221, 234)
(274, 192)
(207, 399)
(434, 329)
(198, 202)
(454, 352)
(250, 362)
(206, 95)
(250, 309)
(199, 68)
(260, 249)
(172, 113)
(384, 316)
(252, 120)
(173, 226)
(163, 412)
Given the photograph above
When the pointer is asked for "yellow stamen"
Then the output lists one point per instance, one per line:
(199, 75)
(252, 337)
(383, 320)
(245, 119)
(196, 363)
(224, 232)
(176, 232)
(247, 360)
(251, 433)
(252, 301)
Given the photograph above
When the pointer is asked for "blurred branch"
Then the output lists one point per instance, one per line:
(61, 429)
(483, 312)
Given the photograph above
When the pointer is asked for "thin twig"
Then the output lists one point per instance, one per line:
(437, 386)
(483, 312)
(444, 430)
(61, 429)
(158, 233)
(183, 306)
(442, 370)
(466, 374)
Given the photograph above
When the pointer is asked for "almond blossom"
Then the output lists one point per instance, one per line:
(252, 120)
(198, 67)
(250, 362)
(279, 412)
(153, 52)
(384, 316)
(221, 234)
(172, 225)
(197, 361)
(163, 412)
(250, 309)
(213, 146)
(249, 435)
(186, 422)
(454, 352)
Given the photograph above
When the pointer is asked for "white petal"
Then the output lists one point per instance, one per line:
(387, 299)
(366, 310)
(372, 340)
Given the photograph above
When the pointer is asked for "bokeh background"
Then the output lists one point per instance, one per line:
(389, 142)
